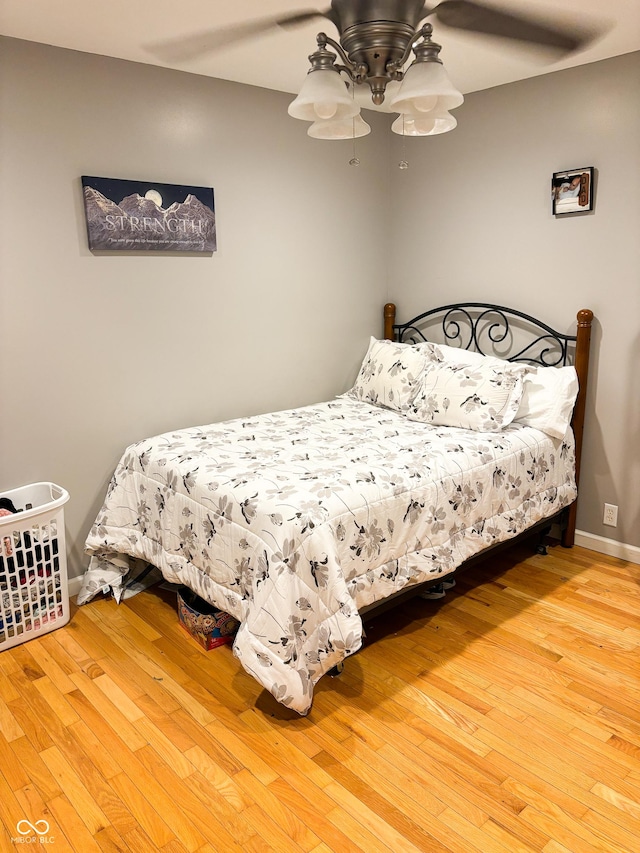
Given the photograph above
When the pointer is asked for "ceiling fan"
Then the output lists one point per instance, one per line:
(376, 38)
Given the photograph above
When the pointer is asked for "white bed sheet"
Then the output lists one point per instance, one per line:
(293, 521)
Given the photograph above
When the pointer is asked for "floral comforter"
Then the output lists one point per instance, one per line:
(293, 521)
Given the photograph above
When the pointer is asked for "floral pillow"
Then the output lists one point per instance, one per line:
(549, 393)
(481, 397)
(391, 373)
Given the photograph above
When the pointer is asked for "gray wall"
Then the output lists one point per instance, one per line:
(472, 220)
(100, 351)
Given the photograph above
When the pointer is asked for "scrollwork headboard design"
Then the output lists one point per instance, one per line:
(512, 335)
(490, 330)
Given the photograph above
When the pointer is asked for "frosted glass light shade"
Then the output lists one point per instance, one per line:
(424, 124)
(323, 96)
(346, 128)
(426, 86)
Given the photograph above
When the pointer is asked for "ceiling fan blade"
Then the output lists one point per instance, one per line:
(303, 17)
(208, 41)
(467, 15)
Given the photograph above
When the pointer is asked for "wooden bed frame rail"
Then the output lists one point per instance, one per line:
(547, 348)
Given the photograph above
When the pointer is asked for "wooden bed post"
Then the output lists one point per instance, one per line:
(583, 340)
(389, 320)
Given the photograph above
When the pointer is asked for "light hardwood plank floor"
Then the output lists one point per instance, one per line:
(503, 718)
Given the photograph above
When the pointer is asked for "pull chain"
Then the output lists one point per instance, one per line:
(403, 164)
(354, 160)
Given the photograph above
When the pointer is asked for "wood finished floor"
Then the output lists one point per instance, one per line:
(503, 718)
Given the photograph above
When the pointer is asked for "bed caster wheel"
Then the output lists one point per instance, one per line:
(542, 549)
(337, 669)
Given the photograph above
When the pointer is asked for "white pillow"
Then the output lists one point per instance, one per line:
(457, 355)
(483, 397)
(390, 374)
(548, 399)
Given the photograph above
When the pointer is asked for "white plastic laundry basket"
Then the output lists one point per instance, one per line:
(34, 595)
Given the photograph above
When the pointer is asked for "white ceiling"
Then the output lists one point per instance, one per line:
(129, 29)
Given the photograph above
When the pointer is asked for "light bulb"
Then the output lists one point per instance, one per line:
(425, 103)
(325, 109)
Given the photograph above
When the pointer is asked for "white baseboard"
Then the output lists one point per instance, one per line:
(75, 584)
(610, 547)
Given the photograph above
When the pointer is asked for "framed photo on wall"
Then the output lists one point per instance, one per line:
(148, 216)
(572, 191)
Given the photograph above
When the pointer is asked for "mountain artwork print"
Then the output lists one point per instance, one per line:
(138, 215)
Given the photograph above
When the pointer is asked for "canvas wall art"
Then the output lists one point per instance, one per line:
(147, 216)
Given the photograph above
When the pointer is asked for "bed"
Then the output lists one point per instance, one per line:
(454, 440)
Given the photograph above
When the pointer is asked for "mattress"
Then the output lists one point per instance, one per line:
(294, 521)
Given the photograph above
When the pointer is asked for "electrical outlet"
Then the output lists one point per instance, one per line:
(610, 515)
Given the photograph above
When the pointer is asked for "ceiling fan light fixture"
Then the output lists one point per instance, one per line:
(426, 86)
(347, 128)
(425, 124)
(323, 96)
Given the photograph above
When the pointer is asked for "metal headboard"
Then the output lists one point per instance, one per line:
(490, 330)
